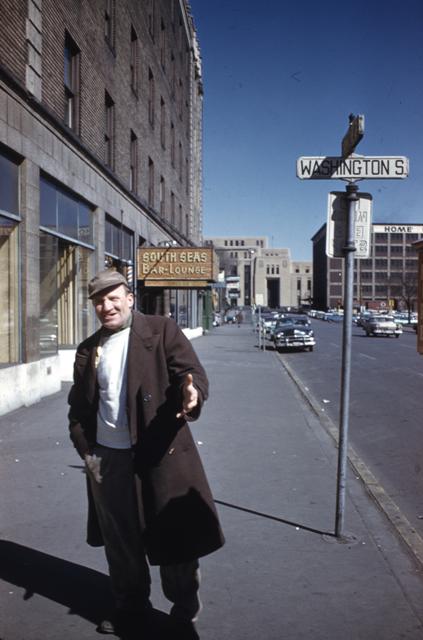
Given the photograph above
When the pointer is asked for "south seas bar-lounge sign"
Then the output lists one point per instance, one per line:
(178, 267)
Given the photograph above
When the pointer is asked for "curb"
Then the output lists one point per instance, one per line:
(400, 523)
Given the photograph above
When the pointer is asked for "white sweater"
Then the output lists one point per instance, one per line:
(112, 420)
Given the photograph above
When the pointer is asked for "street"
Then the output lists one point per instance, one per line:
(386, 405)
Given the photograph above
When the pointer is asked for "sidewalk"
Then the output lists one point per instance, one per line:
(272, 466)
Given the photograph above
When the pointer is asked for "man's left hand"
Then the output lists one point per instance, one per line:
(189, 396)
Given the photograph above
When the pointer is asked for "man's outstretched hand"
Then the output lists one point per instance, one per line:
(189, 396)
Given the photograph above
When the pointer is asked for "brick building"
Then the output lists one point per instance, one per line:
(100, 153)
(387, 279)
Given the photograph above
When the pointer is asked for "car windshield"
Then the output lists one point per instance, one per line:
(291, 321)
(382, 319)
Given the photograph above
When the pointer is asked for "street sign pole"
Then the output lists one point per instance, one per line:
(349, 250)
(351, 168)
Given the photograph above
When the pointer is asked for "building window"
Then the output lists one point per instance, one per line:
(180, 219)
(172, 208)
(181, 99)
(9, 185)
(71, 83)
(65, 310)
(396, 238)
(173, 74)
(109, 22)
(162, 123)
(151, 97)
(381, 250)
(172, 144)
(64, 213)
(151, 18)
(162, 197)
(9, 285)
(133, 170)
(162, 44)
(119, 249)
(65, 254)
(381, 238)
(396, 265)
(186, 225)
(134, 61)
(180, 161)
(299, 284)
(119, 241)
(396, 249)
(109, 132)
(411, 264)
(335, 290)
(186, 176)
(380, 263)
(150, 182)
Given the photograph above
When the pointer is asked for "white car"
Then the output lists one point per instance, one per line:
(381, 326)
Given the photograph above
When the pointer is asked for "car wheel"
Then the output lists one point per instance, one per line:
(397, 335)
(311, 348)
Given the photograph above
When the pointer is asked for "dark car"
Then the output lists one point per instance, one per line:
(293, 332)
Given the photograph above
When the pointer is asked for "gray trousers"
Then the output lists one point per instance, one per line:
(116, 506)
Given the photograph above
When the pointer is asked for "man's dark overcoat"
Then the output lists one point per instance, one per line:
(177, 513)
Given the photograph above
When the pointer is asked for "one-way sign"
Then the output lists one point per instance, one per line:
(352, 168)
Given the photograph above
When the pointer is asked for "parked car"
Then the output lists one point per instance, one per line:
(404, 318)
(381, 326)
(293, 332)
(230, 316)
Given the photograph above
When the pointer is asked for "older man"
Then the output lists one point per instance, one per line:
(137, 381)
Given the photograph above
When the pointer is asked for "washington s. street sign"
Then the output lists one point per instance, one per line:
(352, 168)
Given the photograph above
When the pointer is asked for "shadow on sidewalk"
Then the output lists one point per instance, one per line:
(85, 592)
(297, 525)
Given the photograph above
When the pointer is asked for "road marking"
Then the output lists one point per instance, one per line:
(334, 344)
(407, 346)
(366, 356)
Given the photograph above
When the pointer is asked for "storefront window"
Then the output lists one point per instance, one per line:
(9, 185)
(65, 311)
(119, 245)
(65, 213)
(9, 268)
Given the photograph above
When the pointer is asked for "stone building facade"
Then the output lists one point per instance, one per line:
(100, 153)
(267, 276)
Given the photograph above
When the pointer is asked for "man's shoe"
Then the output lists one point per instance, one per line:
(107, 627)
(124, 621)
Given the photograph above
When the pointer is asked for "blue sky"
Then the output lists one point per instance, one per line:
(280, 79)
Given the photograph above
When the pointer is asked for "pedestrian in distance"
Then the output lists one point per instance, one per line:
(137, 383)
(239, 318)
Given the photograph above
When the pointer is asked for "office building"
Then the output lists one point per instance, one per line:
(258, 274)
(385, 280)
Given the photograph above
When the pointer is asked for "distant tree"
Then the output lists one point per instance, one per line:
(405, 286)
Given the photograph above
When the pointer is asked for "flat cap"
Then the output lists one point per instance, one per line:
(105, 280)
